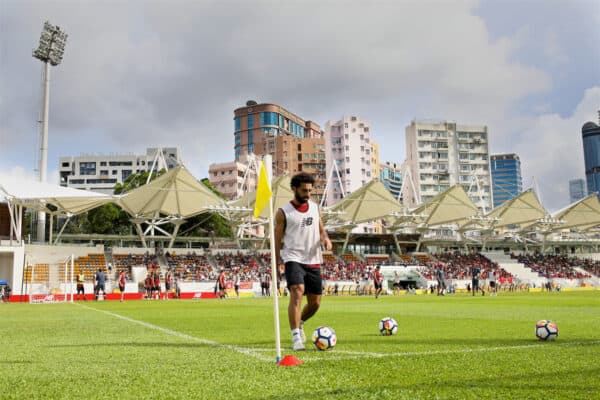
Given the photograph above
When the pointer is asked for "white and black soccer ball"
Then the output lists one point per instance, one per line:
(324, 338)
(546, 330)
(388, 326)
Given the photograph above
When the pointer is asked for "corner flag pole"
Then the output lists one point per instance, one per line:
(274, 289)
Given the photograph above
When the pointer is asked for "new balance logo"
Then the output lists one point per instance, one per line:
(306, 222)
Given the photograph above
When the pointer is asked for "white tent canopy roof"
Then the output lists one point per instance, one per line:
(450, 206)
(583, 214)
(370, 202)
(175, 194)
(39, 195)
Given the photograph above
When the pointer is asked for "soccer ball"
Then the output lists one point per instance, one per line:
(546, 330)
(324, 338)
(388, 326)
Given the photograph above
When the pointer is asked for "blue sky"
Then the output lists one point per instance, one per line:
(146, 74)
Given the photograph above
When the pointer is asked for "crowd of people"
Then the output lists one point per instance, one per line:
(460, 266)
(556, 266)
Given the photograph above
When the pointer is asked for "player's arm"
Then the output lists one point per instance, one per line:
(279, 232)
(324, 236)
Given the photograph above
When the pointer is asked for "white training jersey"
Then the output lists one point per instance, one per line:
(301, 239)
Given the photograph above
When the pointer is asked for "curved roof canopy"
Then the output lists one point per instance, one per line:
(450, 206)
(49, 198)
(175, 194)
(583, 214)
(370, 202)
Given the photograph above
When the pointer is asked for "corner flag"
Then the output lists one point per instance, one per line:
(263, 191)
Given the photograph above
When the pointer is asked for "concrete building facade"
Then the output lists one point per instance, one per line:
(348, 145)
(100, 173)
(294, 143)
(440, 154)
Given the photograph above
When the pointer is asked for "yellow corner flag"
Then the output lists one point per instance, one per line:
(263, 191)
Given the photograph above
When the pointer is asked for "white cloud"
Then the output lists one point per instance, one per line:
(551, 149)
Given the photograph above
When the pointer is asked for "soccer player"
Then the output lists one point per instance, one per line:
(439, 275)
(298, 232)
(156, 282)
(222, 286)
(80, 288)
(168, 280)
(475, 271)
(122, 283)
(236, 283)
(378, 281)
(148, 286)
(100, 282)
(493, 288)
(396, 283)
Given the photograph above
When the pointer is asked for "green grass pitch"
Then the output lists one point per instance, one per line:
(452, 347)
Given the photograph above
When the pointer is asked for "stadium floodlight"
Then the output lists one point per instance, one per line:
(50, 51)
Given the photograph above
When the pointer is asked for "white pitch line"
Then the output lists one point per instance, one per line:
(358, 354)
(242, 350)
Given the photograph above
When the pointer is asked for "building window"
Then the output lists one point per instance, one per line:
(87, 168)
(250, 121)
(237, 123)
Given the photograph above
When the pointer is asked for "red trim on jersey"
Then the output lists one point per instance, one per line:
(313, 265)
(301, 208)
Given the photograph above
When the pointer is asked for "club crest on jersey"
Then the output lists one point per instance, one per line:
(306, 222)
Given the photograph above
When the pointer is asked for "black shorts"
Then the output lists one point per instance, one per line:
(99, 288)
(121, 288)
(378, 285)
(396, 285)
(236, 287)
(167, 286)
(156, 288)
(222, 287)
(492, 284)
(80, 288)
(302, 274)
(475, 283)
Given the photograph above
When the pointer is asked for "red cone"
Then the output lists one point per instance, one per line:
(290, 361)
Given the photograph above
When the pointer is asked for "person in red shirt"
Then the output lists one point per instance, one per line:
(122, 283)
(221, 282)
(378, 281)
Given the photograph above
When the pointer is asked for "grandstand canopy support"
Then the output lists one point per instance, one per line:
(15, 212)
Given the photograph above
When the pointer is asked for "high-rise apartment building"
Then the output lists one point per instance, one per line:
(100, 173)
(348, 145)
(391, 176)
(294, 143)
(440, 154)
(591, 154)
(576, 190)
(507, 181)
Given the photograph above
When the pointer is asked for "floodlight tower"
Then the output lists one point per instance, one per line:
(50, 52)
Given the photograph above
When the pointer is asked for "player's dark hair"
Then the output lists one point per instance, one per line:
(300, 178)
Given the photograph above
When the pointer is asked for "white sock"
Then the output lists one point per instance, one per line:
(295, 332)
